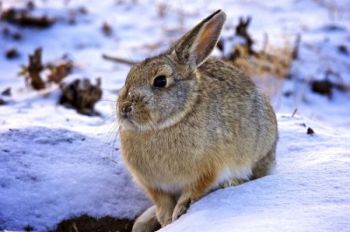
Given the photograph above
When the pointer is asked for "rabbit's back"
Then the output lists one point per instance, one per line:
(237, 112)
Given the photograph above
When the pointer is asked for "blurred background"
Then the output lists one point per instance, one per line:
(288, 47)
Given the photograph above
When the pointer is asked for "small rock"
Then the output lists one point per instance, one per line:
(106, 29)
(343, 49)
(323, 87)
(12, 53)
(17, 36)
(310, 131)
(6, 92)
(2, 102)
(288, 93)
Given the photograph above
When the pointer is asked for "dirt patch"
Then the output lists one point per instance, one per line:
(81, 95)
(87, 223)
(25, 17)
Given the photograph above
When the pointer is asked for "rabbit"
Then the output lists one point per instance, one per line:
(190, 124)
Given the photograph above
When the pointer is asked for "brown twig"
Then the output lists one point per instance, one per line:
(33, 70)
(118, 60)
(242, 30)
(23, 17)
(295, 53)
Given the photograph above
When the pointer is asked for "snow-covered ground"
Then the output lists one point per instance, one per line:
(309, 190)
(56, 164)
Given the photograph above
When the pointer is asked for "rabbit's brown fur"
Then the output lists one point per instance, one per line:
(208, 127)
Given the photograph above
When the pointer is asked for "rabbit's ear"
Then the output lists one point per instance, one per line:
(196, 45)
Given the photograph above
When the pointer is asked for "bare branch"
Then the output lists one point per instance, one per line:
(119, 60)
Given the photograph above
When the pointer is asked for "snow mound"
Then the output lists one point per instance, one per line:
(48, 175)
(309, 190)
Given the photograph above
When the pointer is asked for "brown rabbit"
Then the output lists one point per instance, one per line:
(190, 124)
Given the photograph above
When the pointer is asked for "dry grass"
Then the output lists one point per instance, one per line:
(275, 61)
(268, 68)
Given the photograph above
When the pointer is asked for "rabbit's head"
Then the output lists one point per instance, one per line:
(160, 91)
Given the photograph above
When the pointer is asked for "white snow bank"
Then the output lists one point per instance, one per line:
(48, 175)
(309, 190)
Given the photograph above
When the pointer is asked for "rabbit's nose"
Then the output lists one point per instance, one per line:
(126, 110)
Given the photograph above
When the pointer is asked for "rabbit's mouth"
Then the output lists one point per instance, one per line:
(127, 124)
(126, 121)
(135, 121)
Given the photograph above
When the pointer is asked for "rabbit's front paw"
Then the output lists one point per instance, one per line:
(147, 221)
(181, 208)
(164, 216)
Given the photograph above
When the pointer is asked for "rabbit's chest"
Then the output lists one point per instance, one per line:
(168, 161)
(175, 148)
(168, 171)
(164, 161)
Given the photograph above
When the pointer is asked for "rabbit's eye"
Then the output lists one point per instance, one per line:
(159, 81)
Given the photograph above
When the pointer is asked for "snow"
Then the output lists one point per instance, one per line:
(308, 191)
(49, 172)
(56, 164)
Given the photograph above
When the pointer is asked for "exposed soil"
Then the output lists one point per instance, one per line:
(87, 223)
